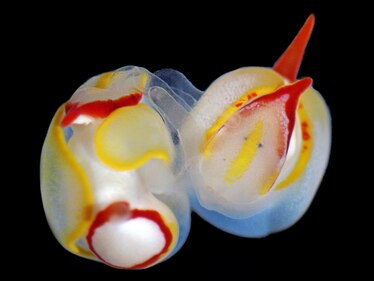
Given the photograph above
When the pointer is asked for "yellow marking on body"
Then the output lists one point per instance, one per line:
(174, 229)
(104, 80)
(171, 222)
(136, 163)
(269, 183)
(85, 253)
(143, 79)
(131, 136)
(245, 156)
(229, 111)
(305, 153)
(67, 156)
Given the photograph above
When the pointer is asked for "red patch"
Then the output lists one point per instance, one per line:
(122, 210)
(250, 96)
(97, 109)
(304, 129)
(306, 135)
(293, 91)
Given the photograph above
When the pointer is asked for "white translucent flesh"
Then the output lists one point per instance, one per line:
(128, 243)
(123, 82)
(228, 179)
(157, 177)
(206, 174)
(288, 204)
(64, 187)
(132, 135)
(221, 94)
(230, 87)
(110, 185)
(83, 119)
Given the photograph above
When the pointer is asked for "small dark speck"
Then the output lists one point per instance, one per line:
(224, 159)
(260, 145)
(245, 138)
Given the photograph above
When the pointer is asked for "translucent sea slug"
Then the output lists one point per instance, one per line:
(131, 153)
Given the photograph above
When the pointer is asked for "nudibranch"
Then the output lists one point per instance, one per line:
(258, 143)
(132, 152)
(107, 173)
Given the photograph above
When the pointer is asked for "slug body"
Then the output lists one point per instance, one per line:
(131, 153)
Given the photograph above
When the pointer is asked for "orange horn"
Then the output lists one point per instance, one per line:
(289, 63)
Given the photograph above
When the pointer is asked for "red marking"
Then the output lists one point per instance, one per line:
(155, 216)
(292, 92)
(97, 109)
(239, 104)
(122, 210)
(250, 96)
(304, 128)
(289, 63)
(306, 135)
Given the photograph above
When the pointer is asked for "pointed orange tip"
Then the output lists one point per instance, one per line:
(301, 85)
(295, 89)
(289, 63)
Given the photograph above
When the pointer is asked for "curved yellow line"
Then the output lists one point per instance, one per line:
(158, 154)
(174, 229)
(245, 156)
(129, 164)
(104, 80)
(229, 111)
(144, 80)
(67, 156)
(305, 153)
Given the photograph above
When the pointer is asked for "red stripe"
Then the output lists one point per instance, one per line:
(122, 210)
(97, 109)
(294, 92)
(154, 216)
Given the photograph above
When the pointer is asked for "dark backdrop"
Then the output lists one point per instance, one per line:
(203, 45)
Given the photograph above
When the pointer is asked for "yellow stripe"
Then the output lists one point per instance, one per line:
(174, 229)
(109, 139)
(222, 119)
(269, 183)
(245, 156)
(136, 163)
(143, 80)
(305, 153)
(70, 161)
(104, 80)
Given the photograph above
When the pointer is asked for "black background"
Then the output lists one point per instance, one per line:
(67, 49)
